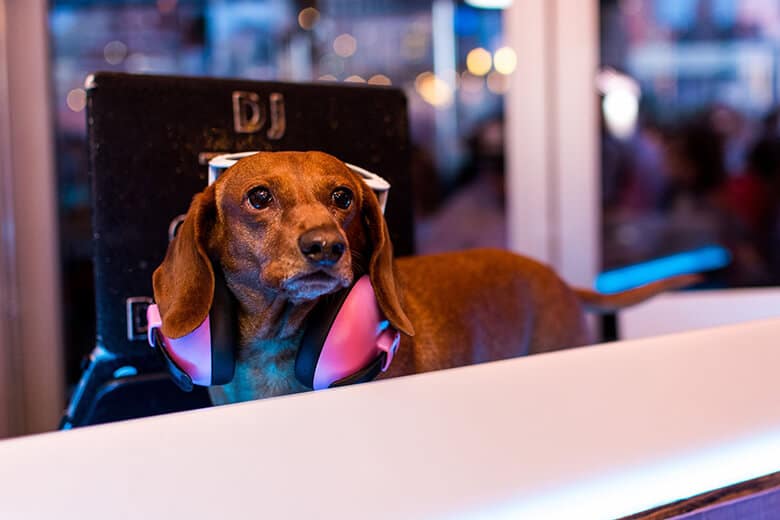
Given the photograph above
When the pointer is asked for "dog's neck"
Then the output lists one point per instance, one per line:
(270, 330)
(270, 317)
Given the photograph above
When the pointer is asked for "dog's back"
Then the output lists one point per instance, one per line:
(483, 305)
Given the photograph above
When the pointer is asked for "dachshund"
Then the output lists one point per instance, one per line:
(287, 228)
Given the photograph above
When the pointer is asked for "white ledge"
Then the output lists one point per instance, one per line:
(597, 432)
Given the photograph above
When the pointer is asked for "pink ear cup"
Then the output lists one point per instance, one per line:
(191, 352)
(358, 335)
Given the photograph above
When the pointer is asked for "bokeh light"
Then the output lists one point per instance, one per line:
(345, 45)
(497, 83)
(379, 79)
(115, 52)
(76, 99)
(620, 105)
(478, 61)
(621, 111)
(505, 60)
(433, 89)
(308, 18)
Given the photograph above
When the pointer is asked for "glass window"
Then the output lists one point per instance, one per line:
(690, 143)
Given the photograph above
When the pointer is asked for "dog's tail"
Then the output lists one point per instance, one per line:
(605, 303)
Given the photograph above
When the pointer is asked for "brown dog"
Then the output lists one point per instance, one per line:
(289, 227)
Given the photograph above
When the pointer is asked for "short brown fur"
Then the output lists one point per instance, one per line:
(452, 309)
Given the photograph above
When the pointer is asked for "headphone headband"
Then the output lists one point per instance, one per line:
(378, 185)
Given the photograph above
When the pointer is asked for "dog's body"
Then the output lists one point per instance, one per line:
(279, 225)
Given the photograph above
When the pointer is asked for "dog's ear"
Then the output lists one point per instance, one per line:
(380, 269)
(184, 282)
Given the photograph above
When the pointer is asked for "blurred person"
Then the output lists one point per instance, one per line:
(692, 214)
(694, 161)
(617, 165)
(752, 202)
(646, 181)
(706, 204)
(633, 184)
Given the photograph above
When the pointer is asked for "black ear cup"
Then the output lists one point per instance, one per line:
(223, 321)
(177, 373)
(316, 331)
(369, 373)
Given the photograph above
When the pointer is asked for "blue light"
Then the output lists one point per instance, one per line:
(704, 259)
(125, 371)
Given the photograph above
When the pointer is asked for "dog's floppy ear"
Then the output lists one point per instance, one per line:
(380, 268)
(184, 282)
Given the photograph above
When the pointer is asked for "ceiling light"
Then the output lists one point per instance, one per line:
(490, 4)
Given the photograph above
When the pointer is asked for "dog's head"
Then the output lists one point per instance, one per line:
(289, 225)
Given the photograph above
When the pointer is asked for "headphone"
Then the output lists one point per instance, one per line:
(346, 339)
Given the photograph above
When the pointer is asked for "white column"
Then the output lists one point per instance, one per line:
(35, 207)
(552, 135)
(576, 148)
(526, 113)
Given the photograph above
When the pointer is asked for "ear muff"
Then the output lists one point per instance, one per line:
(346, 340)
(206, 355)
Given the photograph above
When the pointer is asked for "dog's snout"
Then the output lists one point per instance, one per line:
(322, 246)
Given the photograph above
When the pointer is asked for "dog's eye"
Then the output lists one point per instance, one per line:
(260, 197)
(342, 198)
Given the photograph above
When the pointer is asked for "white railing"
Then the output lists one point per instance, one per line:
(596, 432)
(683, 311)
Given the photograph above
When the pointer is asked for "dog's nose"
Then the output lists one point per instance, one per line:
(321, 246)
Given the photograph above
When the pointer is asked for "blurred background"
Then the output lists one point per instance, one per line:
(593, 135)
(689, 141)
(455, 117)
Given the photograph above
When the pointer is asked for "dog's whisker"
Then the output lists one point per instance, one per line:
(359, 263)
